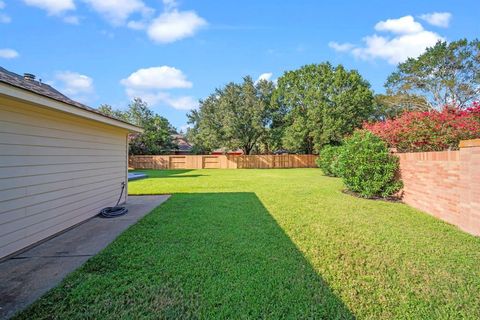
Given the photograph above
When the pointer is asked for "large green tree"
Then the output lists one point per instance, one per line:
(156, 138)
(235, 116)
(446, 74)
(321, 104)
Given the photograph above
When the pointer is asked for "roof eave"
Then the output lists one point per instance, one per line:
(25, 95)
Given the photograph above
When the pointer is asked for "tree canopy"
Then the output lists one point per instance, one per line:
(156, 138)
(447, 74)
(321, 104)
(235, 116)
(389, 105)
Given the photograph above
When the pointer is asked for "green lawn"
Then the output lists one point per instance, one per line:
(249, 244)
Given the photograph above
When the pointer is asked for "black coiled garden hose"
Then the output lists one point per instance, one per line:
(116, 211)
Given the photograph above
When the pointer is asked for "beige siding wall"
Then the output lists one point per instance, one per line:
(56, 170)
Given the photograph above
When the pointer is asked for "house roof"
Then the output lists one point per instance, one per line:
(45, 90)
(181, 141)
(225, 150)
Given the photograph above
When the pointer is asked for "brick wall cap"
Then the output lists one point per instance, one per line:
(470, 143)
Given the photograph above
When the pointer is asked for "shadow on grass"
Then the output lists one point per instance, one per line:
(198, 255)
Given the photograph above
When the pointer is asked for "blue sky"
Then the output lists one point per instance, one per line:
(173, 53)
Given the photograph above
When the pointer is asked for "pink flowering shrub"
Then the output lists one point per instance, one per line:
(429, 131)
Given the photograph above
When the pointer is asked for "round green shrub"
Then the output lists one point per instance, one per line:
(328, 160)
(367, 167)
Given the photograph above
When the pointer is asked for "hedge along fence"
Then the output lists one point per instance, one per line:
(223, 161)
(445, 184)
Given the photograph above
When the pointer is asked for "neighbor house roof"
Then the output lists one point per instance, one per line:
(224, 150)
(181, 141)
(28, 83)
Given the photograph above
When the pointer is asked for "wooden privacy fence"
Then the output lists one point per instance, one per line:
(223, 161)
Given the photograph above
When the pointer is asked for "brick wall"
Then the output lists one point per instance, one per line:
(445, 184)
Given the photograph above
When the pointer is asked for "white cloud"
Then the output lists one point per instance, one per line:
(403, 25)
(265, 76)
(8, 53)
(341, 47)
(118, 11)
(163, 77)
(108, 34)
(136, 25)
(179, 103)
(184, 128)
(75, 85)
(170, 4)
(4, 18)
(155, 98)
(150, 85)
(409, 39)
(397, 49)
(438, 19)
(53, 7)
(72, 20)
(175, 25)
(171, 25)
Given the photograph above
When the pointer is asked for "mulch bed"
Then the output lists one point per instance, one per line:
(388, 199)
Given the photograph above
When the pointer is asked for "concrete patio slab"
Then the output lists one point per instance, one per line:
(27, 276)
